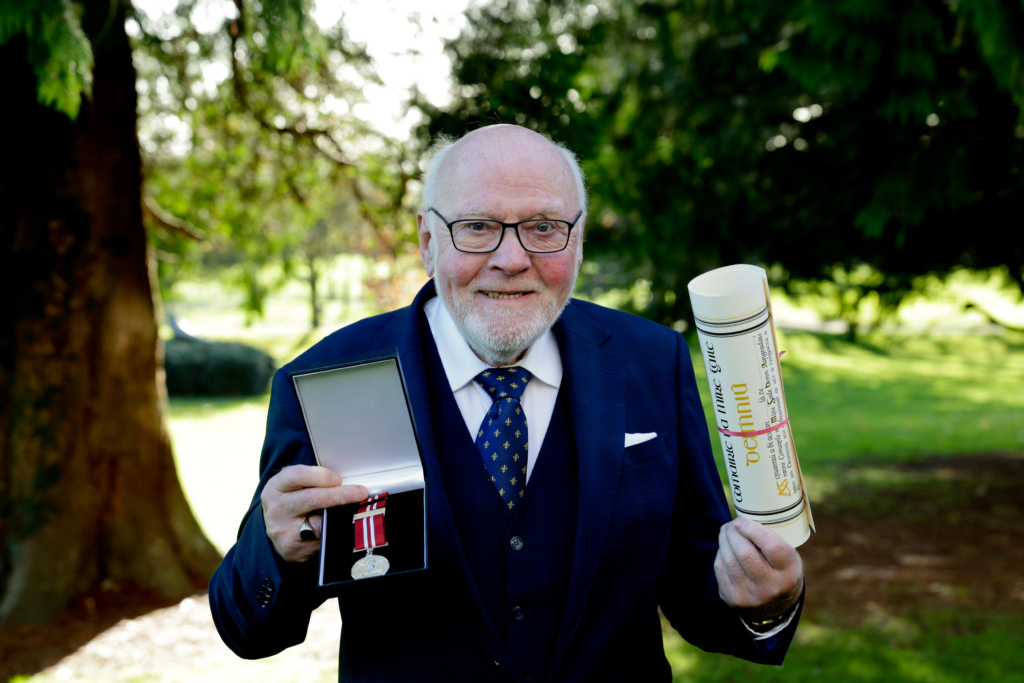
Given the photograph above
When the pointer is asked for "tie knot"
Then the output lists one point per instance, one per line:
(504, 382)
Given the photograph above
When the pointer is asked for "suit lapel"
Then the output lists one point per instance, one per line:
(595, 377)
(445, 553)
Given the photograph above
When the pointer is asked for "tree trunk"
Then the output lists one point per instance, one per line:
(314, 300)
(88, 486)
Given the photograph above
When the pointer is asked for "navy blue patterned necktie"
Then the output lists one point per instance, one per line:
(502, 437)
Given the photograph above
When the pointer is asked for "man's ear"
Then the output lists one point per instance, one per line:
(426, 251)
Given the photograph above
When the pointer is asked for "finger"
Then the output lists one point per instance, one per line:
(297, 477)
(301, 503)
(777, 552)
(750, 558)
(317, 522)
(725, 583)
(731, 564)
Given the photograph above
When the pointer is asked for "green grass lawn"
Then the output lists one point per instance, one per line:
(217, 443)
(894, 398)
(937, 647)
(865, 407)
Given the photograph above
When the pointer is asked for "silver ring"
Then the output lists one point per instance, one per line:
(306, 532)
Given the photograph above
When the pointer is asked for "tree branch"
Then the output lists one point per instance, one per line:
(157, 215)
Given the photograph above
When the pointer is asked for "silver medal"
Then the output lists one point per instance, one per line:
(371, 565)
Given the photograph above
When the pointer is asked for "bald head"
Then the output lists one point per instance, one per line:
(504, 299)
(497, 151)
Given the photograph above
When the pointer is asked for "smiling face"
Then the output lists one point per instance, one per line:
(504, 300)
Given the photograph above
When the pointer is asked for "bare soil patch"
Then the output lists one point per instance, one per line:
(937, 534)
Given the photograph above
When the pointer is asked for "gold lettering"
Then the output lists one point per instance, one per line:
(783, 488)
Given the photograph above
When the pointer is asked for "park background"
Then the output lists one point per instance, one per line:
(247, 173)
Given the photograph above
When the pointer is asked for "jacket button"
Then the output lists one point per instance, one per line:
(516, 543)
(517, 613)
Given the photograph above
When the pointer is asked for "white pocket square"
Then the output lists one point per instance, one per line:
(634, 439)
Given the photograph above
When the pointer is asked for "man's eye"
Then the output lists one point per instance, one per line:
(543, 227)
(476, 226)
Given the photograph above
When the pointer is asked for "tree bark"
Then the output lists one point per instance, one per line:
(314, 300)
(88, 486)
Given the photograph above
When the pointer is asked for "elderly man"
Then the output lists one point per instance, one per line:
(555, 569)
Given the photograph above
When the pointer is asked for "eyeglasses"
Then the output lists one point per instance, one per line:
(537, 236)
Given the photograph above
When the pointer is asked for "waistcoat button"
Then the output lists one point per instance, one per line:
(517, 613)
(516, 543)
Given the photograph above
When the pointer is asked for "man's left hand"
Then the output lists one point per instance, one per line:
(759, 574)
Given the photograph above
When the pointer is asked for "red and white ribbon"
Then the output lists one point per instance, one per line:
(369, 529)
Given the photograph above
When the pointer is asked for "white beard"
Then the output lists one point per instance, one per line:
(505, 336)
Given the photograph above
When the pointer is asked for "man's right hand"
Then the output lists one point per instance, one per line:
(289, 497)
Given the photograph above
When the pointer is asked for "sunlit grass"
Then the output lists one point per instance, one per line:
(899, 397)
(938, 647)
(217, 443)
(893, 399)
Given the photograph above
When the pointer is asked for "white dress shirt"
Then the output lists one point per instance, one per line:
(544, 364)
(461, 366)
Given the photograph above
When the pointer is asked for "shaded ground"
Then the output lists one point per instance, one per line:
(896, 545)
(913, 577)
(937, 534)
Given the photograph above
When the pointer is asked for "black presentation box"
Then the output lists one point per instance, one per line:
(360, 424)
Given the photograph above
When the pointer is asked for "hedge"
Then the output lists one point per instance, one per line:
(196, 368)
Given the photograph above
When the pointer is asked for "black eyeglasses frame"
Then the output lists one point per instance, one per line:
(505, 226)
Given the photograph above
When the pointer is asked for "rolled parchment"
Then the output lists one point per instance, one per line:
(733, 312)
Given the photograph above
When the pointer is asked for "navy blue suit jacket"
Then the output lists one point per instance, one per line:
(646, 534)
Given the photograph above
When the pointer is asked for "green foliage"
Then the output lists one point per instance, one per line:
(57, 48)
(816, 137)
(250, 137)
(216, 369)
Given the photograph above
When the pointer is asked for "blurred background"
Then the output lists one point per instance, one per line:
(199, 190)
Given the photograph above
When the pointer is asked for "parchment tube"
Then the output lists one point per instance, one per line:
(732, 309)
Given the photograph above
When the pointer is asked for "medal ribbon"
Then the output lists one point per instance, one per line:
(369, 529)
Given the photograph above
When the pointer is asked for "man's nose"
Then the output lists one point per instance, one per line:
(510, 255)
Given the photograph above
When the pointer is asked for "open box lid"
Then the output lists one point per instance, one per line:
(359, 421)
